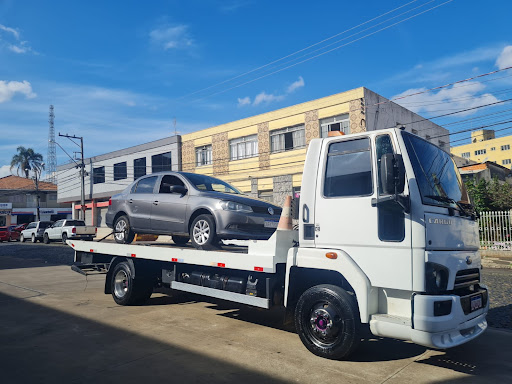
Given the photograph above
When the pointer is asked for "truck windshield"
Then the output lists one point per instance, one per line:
(438, 179)
(75, 223)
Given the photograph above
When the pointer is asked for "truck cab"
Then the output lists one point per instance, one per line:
(393, 210)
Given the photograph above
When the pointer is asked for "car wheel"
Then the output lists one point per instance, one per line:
(203, 233)
(22, 238)
(33, 238)
(46, 239)
(123, 233)
(125, 289)
(180, 240)
(64, 238)
(327, 321)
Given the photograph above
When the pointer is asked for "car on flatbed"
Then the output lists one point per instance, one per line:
(191, 206)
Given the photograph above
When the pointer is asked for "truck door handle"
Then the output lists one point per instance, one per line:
(155, 202)
(305, 213)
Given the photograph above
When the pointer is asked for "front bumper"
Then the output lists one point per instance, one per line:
(244, 226)
(450, 330)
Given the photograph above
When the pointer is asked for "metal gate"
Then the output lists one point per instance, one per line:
(495, 230)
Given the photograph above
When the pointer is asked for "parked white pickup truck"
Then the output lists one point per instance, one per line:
(69, 229)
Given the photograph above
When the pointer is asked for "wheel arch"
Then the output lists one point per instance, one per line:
(197, 212)
(140, 269)
(118, 215)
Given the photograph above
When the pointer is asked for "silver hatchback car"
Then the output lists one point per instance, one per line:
(191, 206)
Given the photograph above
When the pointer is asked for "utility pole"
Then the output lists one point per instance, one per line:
(82, 171)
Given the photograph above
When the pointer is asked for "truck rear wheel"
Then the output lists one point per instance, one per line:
(125, 289)
(64, 237)
(327, 321)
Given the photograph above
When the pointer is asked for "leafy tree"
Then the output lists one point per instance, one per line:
(490, 195)
(27, 160)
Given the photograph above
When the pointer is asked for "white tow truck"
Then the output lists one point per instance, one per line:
(386, 241)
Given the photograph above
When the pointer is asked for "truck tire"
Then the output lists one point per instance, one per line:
(203, 233)
(64, 237)
(46, 239)
(327, 321)
(180, 240)
(124, 234)
(125, 289)
(33, 238)
(22, 238)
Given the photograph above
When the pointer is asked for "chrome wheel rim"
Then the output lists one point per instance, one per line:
(121, 284)
(201, 232)
(120, 230)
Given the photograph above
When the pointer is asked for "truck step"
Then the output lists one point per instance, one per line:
(91, 269)
(385, 318)
(219, 294)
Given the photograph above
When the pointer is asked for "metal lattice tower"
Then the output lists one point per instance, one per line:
(51, 157)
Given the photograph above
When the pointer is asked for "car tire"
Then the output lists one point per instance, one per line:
(125, 289)
(64, 237)
(180, 240)
(33, 238)
(125, 234)
(46, 238)
(327, 321)
(203, 233)
(22, 238)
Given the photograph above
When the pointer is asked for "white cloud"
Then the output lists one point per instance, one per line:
(9, 88)
(458, 97)
(13, 31)
(244, 101)
(176, 37)
(505, 58)
(267, 98)
(5, 170)
(296, 85)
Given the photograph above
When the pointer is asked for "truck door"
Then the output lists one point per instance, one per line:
(169, 209)
(347, 217)
(55, 232)
(140, 201)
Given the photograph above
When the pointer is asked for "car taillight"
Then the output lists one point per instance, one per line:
(73, 230)
(96, 230)
(109, 201)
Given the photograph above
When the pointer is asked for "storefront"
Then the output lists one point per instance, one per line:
(27, 215)
(5, 214)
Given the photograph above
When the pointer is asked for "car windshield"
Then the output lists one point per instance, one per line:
(44, 224)
(208, 183)
(436, 173)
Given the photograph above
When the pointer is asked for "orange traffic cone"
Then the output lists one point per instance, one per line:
(285, 222)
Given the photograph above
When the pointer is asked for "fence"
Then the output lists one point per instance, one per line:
(495, 230)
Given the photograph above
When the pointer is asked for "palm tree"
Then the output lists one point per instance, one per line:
(27, 160)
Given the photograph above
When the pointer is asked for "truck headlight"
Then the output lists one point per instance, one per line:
(436, 278)
(234, 206)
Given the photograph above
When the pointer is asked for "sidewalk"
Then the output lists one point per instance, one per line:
(496, 259)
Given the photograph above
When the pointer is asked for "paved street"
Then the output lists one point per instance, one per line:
(56, 327)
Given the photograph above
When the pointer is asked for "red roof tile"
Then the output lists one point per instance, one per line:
(20, 183)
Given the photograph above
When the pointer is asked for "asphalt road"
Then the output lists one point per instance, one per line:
(56, 327)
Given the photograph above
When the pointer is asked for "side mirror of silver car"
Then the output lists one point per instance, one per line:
(178, 189)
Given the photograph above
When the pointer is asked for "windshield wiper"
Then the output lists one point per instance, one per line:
(447, 199)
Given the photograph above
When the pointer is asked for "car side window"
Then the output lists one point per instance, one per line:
(31, 226)
(168, 181)
(146, 185)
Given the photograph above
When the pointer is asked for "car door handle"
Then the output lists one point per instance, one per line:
(155, 202)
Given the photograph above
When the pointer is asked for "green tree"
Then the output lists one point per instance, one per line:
(27, 160)
(479, 194)
(500, 195)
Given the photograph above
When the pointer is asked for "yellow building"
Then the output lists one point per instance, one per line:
(264, 155)
(485, 147)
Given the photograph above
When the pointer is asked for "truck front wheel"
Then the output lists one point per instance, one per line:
(125, 289)
(327, 321)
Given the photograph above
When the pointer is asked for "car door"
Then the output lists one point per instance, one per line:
(169, 208)
(55, 231)
(139, 203)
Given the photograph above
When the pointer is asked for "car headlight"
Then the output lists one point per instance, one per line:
(436, 278)
(233, 206)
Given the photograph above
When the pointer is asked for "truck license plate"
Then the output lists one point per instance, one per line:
(270, 224)
(476, 303)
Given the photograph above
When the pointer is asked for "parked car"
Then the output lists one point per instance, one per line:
(34, 231)
(5, 234)
(191, 206)
(68, 229)
(15, 232)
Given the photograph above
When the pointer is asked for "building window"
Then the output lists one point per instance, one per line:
(98, 175)
(120, 171)
(505, 147)
(161, 162)
(480, 152)
(336, 123)
(243, 147)
(493, 148)
(139, 168)
(506, 162)
(204, 155)
(287, 138)
(466, 155)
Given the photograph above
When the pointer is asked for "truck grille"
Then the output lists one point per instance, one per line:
(466, 278)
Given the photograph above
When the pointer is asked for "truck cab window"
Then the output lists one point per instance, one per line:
(349, 169)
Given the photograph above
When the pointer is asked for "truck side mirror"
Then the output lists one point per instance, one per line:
(392, 174)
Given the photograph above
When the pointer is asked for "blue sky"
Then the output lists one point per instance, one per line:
(119, 72)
